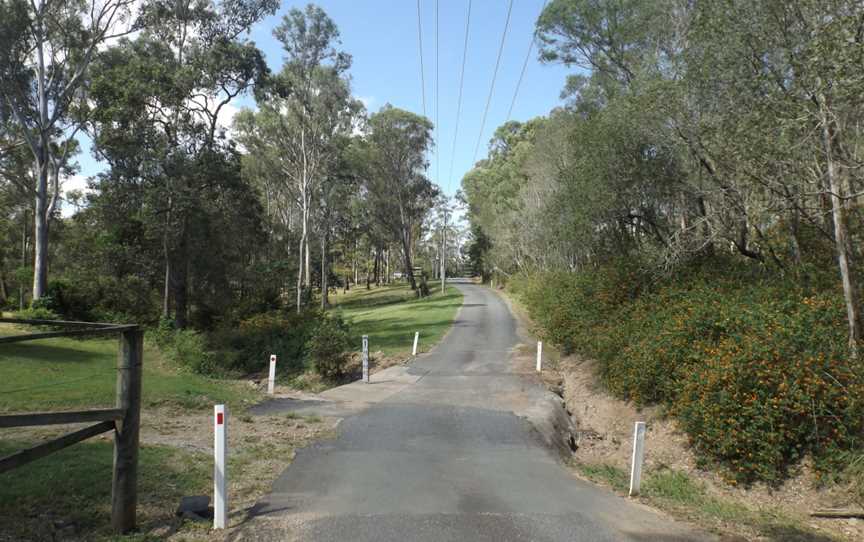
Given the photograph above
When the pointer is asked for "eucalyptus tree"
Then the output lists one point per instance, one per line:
(400, 195)
(158, 104)
(745, 115)
(46, 50)
(303, 115)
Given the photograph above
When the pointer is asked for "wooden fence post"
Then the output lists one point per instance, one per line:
(124, 486)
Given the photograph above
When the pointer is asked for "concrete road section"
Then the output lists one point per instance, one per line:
(434, 451)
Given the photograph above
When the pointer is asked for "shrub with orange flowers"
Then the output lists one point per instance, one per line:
(754, 366)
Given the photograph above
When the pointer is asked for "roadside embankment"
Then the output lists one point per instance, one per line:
(675, 479)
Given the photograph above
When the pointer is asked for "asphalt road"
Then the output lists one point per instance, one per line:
(445, 458)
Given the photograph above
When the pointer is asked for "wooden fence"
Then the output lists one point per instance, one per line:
(124, 419)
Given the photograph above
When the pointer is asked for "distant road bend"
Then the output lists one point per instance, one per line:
(445, 458)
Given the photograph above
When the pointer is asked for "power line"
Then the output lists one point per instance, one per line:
(422, 72)
(437, 101)
(494, 76)
(524, 66)
(459, 101)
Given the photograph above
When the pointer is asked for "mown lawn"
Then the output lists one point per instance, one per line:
(56, 374)
(391, 314)
(68, 494)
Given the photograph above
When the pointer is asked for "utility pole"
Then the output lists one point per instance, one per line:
(444, 253)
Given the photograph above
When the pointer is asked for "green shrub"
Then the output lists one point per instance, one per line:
(189, 350)
(248, 346)
(328, 346)
(37, 313)
(776, 386)
(99, 299)
(184, 348)
(754, 366)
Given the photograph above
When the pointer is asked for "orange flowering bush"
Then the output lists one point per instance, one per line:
(778, 386)
(755, 368)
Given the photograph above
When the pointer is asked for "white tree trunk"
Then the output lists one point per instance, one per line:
(841, 235)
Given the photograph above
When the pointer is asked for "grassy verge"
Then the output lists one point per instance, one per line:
(678, 494)
(68, 495)
(55, 374)
(391, 314)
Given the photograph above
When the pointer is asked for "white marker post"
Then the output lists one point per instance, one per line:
(220, 476)
(271, 382)
(539, 355)
(416, 338)
(638, 455)
(366, 358)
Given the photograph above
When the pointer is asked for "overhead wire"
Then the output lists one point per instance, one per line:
(437, 102)
(494, 77)
(459, 101)
(422, 71)
(524, 66)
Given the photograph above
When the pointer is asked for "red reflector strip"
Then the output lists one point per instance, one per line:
(219, 419)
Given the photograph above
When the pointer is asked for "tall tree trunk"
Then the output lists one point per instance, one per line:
(180, 282)
(166, 293)
(23, 260)
(166, 251)
(41, 211)
(354, 265)
(4, 290)
(406, 251)
(376, 267)
(40, 241)
(307, 273)
(848, 273)
(300, 267)
(325, 299)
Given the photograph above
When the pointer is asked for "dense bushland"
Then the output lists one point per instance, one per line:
(754, 366)
(691, 217)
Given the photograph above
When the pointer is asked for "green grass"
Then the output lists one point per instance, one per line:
(74, 485)
(676, 492)
(605, 474)
(52, 374)
(390, 315)
(672, 489)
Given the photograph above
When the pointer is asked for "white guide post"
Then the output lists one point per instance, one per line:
(539, 355)
(271, 381)
(416, 338)
(638, 455)
(366, 358)
(220, 477)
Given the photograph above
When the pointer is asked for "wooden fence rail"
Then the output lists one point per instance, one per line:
(124, 419)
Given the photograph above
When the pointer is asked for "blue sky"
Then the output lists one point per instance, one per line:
(382, 37)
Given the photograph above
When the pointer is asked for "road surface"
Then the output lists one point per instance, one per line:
(443, 457)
